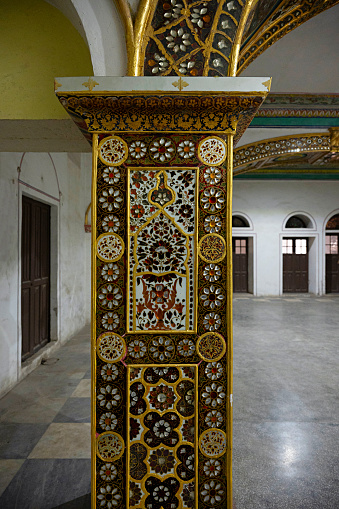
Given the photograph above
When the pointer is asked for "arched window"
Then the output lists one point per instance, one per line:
(333, 223)
(295, 222)
(239, 222)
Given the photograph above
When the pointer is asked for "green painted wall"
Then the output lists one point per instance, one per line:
(37, 43)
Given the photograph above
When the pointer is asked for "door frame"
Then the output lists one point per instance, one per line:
(32, 362)
(328, 232)
(313, 258)
(251, 256)
(323, 274)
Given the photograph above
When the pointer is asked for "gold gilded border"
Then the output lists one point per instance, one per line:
(216, 260)
(141, 28)
(215, 359)
(234, 55)
(223, 159)
(117, 456)
(93, 318)
(125, 13)
(105, 140)
(110, 234)
(229, 318)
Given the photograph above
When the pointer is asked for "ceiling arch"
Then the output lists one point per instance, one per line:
(37, 43)
(270, 20)
(100, 25)
(312, 153)
(306, 59)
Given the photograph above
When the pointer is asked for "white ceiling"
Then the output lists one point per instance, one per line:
(306, 59)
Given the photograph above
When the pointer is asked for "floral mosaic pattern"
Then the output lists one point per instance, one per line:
(212, 443)
(111, 347)
(113, 151)
(212, 151)
(177, 381)
(201, 32)
(161, 252)
(159, 411)
(212, 248)
(110, 247)
(110, 446)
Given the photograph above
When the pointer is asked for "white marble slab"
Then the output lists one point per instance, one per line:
(171, 84)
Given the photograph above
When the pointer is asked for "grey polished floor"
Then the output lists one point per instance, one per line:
(45, 433)
(285, 414)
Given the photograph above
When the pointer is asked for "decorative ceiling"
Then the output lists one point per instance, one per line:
(269, 20)
(210, 37)
(313, 156)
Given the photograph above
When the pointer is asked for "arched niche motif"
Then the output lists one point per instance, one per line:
(241, 220)
(333, 222)
(299, 220)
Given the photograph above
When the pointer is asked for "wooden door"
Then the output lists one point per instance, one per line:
(295, 265)
(35, 276)
(240, 264)
(332, 263)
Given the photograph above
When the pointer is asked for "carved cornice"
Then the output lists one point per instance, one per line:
(286, 17)
(154, 113)
(279, 100)
(300, 105)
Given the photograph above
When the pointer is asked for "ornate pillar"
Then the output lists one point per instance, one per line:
(162, 284)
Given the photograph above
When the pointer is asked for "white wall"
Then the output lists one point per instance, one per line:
(267, 203)
(70, 250)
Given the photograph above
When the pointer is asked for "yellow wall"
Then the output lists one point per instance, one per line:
(37, 43)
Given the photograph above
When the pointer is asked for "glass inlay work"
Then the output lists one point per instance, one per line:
(162, 249)
(161, 389)
(162, 440)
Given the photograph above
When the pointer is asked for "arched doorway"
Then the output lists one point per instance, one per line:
(295, 250)
(332, 254)
(242, 245)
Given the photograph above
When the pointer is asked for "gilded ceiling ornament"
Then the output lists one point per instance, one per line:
(334, 139)
(90, 84)
(212, 151)
(211, 346)
(266, 28)
(113, 151)
(110, 247)
(212, 443)
(111, 347)
(212, 248)
(110, 446)
(273, 148)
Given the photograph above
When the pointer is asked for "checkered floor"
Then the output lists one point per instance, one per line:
(45, 433)
(280, 390)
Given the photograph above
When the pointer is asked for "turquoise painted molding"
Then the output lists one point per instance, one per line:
(313, 122)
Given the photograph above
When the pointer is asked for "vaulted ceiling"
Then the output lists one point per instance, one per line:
(294, 41)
